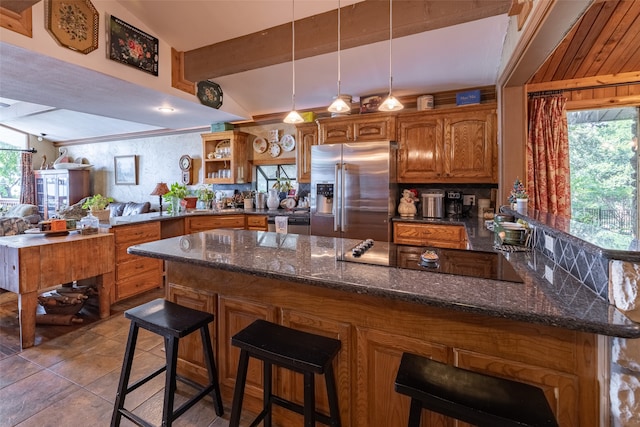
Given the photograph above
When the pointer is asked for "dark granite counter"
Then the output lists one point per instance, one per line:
(555, 300)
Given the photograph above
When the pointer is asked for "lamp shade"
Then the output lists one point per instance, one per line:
(160, 190)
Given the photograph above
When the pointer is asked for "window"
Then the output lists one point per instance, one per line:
(267, 175)
(604, 168)
(10, 175)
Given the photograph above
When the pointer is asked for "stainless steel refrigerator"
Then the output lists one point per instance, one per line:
(353, 190)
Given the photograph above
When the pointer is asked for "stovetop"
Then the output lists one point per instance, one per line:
(481, 264)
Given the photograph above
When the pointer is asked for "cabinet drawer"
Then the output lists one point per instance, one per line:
(258, 222)
(137, 284)
(196, 224)
(443, 236)
(138, 266)
(138, 233)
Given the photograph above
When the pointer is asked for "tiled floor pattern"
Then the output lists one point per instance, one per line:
(71, 379)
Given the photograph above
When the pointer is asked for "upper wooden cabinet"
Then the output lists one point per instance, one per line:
(458, 146)
(229, 164)
(307, 136)
(373, 127)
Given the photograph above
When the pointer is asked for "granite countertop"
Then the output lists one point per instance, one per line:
(559, 301)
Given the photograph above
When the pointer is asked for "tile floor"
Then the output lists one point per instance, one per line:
(71, 379)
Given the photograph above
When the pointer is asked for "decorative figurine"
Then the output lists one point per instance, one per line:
(407, 206)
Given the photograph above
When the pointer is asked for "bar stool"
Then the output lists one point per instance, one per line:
(291, 349)
(173, 322)
(468, 396)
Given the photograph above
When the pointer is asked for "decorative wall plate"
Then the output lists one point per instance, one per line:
(73, 24)
(274, 150)
(260, 145)
(209, 94)
(288, 142)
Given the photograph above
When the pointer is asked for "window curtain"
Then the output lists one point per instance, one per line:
(548, 178)
(27, 189)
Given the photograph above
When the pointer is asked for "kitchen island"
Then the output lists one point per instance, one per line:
(541, 333)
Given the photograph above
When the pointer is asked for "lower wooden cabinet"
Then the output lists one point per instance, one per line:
(135, 274)
(440, 236)
(374, 333)
(257, 222)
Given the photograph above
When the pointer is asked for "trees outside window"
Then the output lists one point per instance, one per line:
(604, 165)
(10, 177)
(267, 175)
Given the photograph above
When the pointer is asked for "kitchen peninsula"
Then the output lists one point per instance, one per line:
(531, 331)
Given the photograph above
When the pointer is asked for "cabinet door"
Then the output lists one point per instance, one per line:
(440, 236)
(333, 132)
(257, 222)
(469, 147)
(379, 355)
(307, 136)
(198, 223)
(420, 149)
(374, 129)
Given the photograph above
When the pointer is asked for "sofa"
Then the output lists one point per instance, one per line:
(128, 208)
(19, 218)
(23, 210)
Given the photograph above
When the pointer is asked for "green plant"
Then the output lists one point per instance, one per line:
(176, 190)
(518, 191)
(283, 185)
(96, 202)
(205, 194)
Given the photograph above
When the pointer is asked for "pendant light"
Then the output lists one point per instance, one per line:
(293, 116)
(391, 103)
(339, 105)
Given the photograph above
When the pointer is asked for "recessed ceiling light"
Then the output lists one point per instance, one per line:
(165, 109)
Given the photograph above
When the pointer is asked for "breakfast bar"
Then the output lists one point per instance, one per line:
(545, 334)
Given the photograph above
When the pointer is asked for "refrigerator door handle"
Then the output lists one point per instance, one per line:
(336, 205)
(343, 217)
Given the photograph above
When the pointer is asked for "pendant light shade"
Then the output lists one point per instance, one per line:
(391, 103)
(339, 105)
(293, 116)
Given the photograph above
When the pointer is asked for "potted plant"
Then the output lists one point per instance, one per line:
(97, 205)
(177, 192)
(205, 195)
(518, 197)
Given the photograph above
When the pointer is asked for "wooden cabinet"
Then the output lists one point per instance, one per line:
(257, 222)
(307, 136)
(458, 146)
(136, 274)
(372, 127)
(374, 332)
(229, 164)
(194, 224)
(441, 236)
(57, 189)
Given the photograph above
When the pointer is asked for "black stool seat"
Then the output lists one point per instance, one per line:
(171, 321)
(295, 350)
(468, 396)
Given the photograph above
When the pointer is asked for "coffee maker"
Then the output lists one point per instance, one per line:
(453, 204)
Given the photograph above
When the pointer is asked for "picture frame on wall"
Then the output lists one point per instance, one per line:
(126, 170)
(73, 24)
(370, 103)
(131, 46)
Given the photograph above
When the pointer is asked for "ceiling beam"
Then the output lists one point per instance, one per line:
(361, 24)
(18, 6)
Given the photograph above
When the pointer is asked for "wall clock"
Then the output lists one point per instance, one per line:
(274, 150)
(186, 164)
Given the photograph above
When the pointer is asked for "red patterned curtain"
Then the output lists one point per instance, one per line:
(548, 178)
(27, 190)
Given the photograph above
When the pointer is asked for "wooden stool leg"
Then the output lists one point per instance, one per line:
(171, 350)
(124, 375)
(238, 394)
(267, 392)
(309, 400)
(211, 367)
(332, 395)
(415, 413)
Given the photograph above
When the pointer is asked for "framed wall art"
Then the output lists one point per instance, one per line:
(370, 103)
(73, 24)
(126, 170)
(131, 46)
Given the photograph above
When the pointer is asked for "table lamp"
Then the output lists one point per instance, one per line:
(160, 190)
